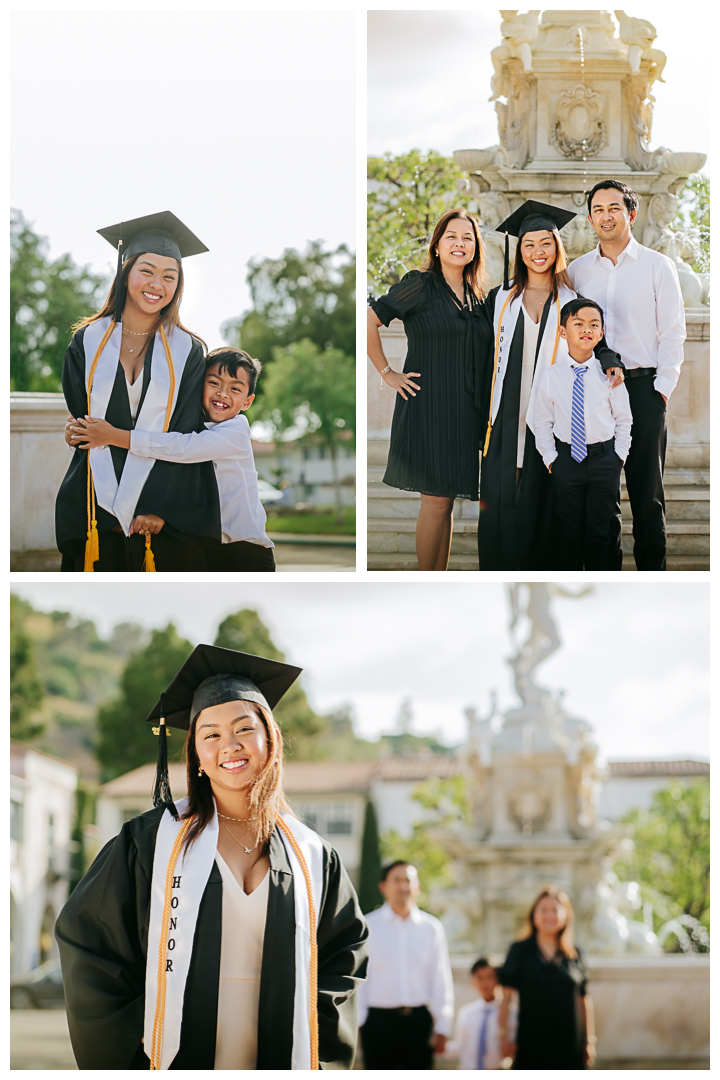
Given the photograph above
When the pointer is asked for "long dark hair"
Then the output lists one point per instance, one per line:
(565, 936)
(267, 798)
(169, 316)
(560, 274)
(475, 273)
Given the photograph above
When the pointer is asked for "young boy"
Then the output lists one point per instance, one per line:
(582, 431)
(229, 390)
(477, 1039)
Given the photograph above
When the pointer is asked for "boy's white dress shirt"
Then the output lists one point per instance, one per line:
(408, 965)
(228, 445)
(607, 411)
(468, 1026)
(643, 308)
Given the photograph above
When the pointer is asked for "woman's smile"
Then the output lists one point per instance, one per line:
(234, 765)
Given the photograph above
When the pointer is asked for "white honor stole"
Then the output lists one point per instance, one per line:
(121, 499)
(176, 893)
(552, 346)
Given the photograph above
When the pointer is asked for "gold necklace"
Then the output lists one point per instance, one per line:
(228, 818)
(247, 850)
(135, 333)
(545, 288)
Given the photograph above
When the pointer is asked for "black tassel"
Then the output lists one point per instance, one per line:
(506, 282)
(162, 796)
(118, 282)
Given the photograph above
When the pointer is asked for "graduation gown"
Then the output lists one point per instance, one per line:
(186, 496)
(516, 526)
(102, 934)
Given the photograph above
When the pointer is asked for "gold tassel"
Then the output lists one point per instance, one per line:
(149, 561)
(92, 548)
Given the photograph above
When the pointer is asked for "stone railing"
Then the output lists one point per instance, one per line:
(39, 459)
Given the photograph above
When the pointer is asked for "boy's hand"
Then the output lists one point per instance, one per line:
(147, 524)
(439, 1042)
(507, 1048)
(616, 376)
(89, 434)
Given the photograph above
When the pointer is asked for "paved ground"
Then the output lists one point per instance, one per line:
(306, 558)
(39, 1040)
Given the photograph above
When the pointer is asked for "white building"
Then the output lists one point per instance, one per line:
(42, 812)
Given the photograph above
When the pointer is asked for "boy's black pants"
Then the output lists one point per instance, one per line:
(587, 508)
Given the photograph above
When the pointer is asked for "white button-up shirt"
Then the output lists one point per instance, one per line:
(643, 307)
(466, 1041)
(228, 445)
(408, 965)
(607, 411)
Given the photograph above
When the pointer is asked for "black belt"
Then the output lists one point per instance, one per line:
(592, 448)
(636, 372)
(403, 1010)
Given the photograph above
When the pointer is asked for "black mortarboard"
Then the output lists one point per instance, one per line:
(531, 217)
(161, 234)
(213, 676)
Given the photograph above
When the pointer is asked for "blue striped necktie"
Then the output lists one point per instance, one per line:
(482, 1045)
(578, 446)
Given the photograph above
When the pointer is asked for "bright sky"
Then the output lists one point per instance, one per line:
(240, 122)
(429, 78)
(634, 659)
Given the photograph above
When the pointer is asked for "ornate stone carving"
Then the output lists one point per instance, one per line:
(494, 208)
(529, 803)
(516, 131)
(519, 32)
(640, 104)
(680, 245)
(579, 130)
(638, 35)
(578, 236)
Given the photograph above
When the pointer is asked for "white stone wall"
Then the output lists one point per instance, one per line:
(39, 458)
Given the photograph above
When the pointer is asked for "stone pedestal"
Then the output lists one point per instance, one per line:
(39, 458)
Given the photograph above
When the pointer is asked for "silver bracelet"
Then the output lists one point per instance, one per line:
(384, 372)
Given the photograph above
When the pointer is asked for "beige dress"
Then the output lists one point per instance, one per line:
(243, 929)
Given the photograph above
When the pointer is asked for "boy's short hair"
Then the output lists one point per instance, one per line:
(391, 866)
(630, 197)
(482, 963)
(573, 306)
(230, 360)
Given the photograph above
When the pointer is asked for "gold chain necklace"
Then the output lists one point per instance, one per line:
(228, 818)
(247, 850)
(545, 288)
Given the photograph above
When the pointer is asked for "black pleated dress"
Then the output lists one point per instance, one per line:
(435, 436)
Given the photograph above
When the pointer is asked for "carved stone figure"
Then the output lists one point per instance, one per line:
(678, 244)
(579, 130)
(519, 32)
(517, 132)
(494, 208)
(544, 638)
(578, 236)
(638, 35)
(640, 103)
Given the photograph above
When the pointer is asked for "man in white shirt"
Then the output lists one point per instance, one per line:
(405, 1008)
(477, 1037)
(639, 292)
(582, 431)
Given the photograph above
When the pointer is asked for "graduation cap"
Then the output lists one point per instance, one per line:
(531, 217)
(161, 234)
(213, 676)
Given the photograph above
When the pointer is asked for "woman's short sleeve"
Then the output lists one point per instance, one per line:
(511, 971)
(403, 299)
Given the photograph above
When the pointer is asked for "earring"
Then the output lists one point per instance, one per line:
(200, 771)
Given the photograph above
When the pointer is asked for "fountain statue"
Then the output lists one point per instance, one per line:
(533, 784)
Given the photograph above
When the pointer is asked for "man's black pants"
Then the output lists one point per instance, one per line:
(398, 1039)
(241, 555)
(587, 507)
(644, 472)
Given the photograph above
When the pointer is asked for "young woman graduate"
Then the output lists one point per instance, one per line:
(220, 933)
(516, 524)
(435, 436)
(134, 364)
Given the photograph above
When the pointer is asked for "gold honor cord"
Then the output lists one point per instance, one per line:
(156, 1049)
(314, 1032)
(92, 546)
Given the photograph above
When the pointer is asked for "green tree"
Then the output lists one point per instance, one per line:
(124, 740)
(308, 294)
(300, 725)
(670, 857)
(369, 896)
(84, 815)
(26, 689)
(46, 298)
(310, 395)
(694, 208)
(407, 194)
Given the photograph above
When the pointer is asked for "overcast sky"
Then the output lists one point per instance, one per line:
(240, 122)
(429, 78)
(634, 660)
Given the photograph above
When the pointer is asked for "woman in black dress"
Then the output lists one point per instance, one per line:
(435, 437)
(555, 1022)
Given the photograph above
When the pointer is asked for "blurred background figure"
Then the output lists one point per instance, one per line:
(406, 1007)
(477, 1039)
(555, 1023)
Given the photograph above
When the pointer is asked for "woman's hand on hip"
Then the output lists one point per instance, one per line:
(402, 381)
(147, 524)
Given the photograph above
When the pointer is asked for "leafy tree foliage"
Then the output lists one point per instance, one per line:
(310, 394)
(308, 294)
(300, 725)
(26, 689)
(46, 298)
(369, 896)
(408, 193)
(695, 205)
(670, 858)
(125, 741)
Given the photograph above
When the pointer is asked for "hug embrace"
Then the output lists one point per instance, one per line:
(162, 476)
(557, 379)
